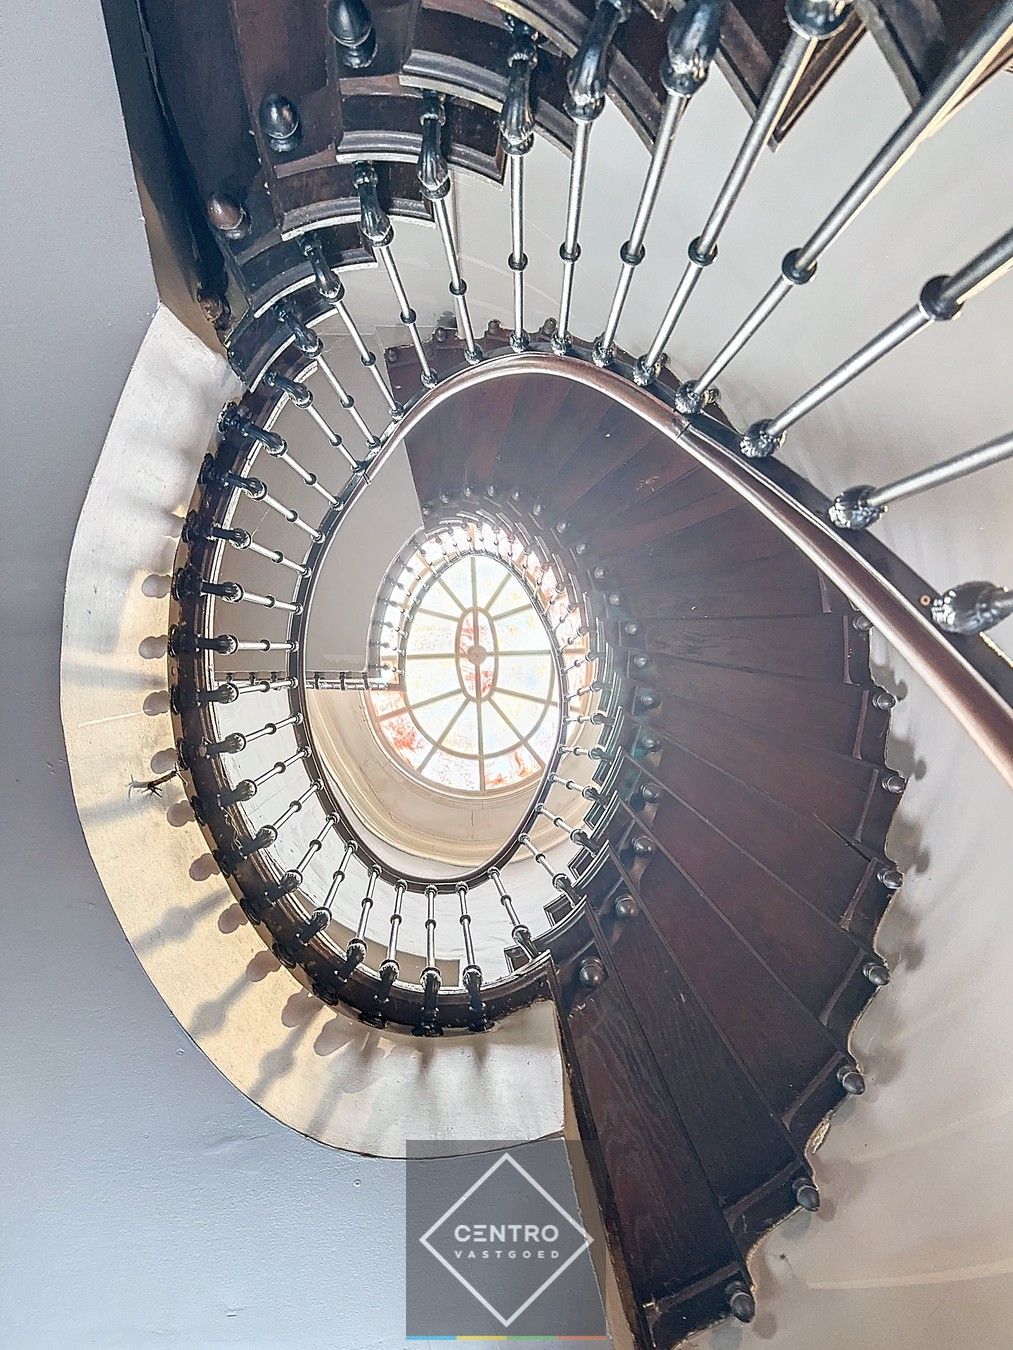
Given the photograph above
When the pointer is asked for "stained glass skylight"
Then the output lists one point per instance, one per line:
(478, 705)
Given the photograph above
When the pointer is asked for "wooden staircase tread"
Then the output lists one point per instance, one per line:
(809, 857)
(844, 793)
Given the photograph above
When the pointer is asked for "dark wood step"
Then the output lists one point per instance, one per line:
(787, 1052)
(821, 714)
(809, 857)
(663, 1220)
(819, 647)
(635, 479)
(380, 119)
(719, 1103)
(803, 947)
(784, 584)
(736, 534)
(844, 793)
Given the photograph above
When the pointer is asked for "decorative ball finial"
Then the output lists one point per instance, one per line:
(228, 216)
(351, 26)
(279, 121)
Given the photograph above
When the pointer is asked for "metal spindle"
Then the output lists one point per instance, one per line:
(389, 967)
(810, 21)
(378, 232)
(859, 507)
(517, 136)
(311, 345)
(338, 876)
(232, 593)
(595, 687)
(596, 719)
(560, 880)
(941, 299)
(302, 396)
(520, 932)
(586, 84)
(239, 539)
(577, 836)
(692, 41)
(428, 1024)
(435, 182)
(595, 752)
(247, 788)
(331, 288)
(237, 741)
(587, 790)
(266, 686)
(471, 975)
(355, 952)
(277, 448)
(972, 607)
(951, 88)
(267, 834)
(265, 645)
(290, 514)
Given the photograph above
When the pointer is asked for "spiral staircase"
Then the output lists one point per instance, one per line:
(686, 850)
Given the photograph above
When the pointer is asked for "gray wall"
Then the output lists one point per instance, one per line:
(143, 1200)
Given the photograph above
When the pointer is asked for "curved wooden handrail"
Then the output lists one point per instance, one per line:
(980, 709)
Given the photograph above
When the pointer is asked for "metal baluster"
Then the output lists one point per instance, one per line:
(264, 645)
(193, 530)
(331, 288)
(435, 182)
(266, 686)
(517, 136)
(941, 299)
(232, 593)
(311, 345)
(428, 1023)
(471, 975)
(973, 607)
(587, 790)
(291, 953)
(799, 266)
(560, 880)
(266, 835)
(378, 232)
(595, 752)
(355, 952)
(389, 967)
(237, 741)
(692, 41)
(302, 396)
(859, 507)
(520, 932)
(338, 876)
(290, 514)
(596, 719)
(225, 644)
(577, 836)
(230, 690)
(595, 687)
(245, 790)
(586, 83)
(810, 21)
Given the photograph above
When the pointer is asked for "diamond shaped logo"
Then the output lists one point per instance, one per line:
(507, 1240)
